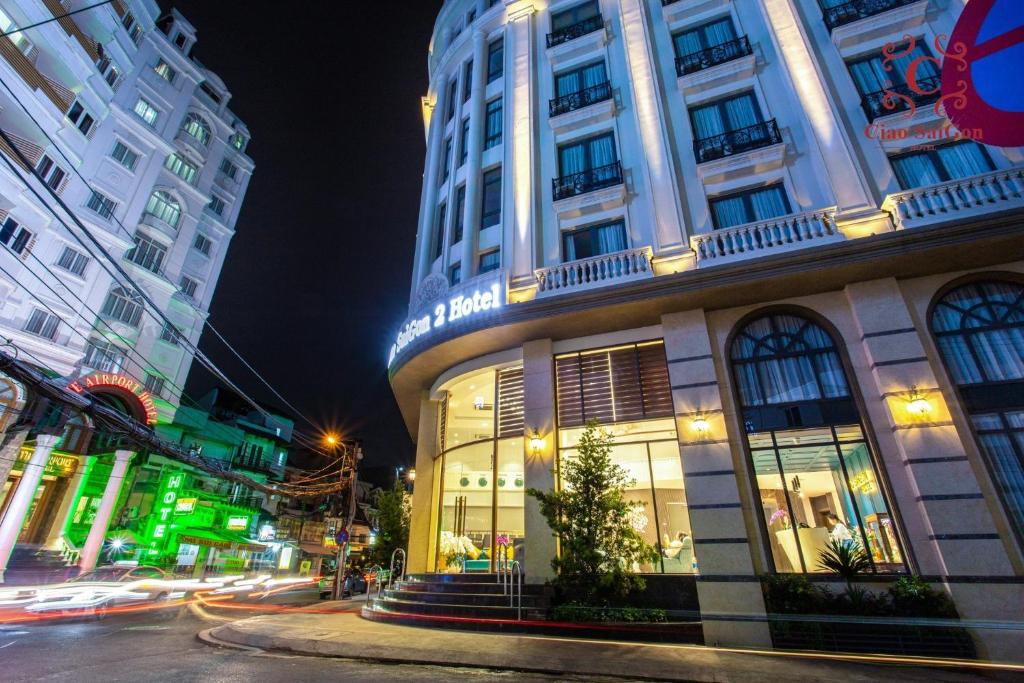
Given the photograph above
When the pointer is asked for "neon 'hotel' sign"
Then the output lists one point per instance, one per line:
(457, 308)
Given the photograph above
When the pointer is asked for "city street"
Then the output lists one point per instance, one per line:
(162, 646)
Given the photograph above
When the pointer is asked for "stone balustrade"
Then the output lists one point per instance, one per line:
(597, 271)
(786, 233)
(983, 193)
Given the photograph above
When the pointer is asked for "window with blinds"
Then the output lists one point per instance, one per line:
(619, 384)
(510, 402)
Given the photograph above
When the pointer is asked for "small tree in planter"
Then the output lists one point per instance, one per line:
(392, 523)
(591, 517)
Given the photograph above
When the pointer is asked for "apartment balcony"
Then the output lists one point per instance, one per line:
(901, 98)
(855, 10)
(763, 238)
(712, 56)
(161, 225)
(601, 92)
(577, 30)
(592, 179)
(60, 96)
(71, 28)
(28, 149)
(759, 135)
(244, 462)
(594, 272)
(957, 199)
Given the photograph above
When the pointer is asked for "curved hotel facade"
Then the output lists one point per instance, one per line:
(697, 222)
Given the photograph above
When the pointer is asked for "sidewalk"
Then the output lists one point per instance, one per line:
(345, 634)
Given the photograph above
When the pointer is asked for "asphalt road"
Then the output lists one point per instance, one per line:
(162, 646)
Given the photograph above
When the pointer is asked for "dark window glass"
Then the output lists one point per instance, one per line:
(439, 231)
(460, 210)
(489, 261)
(467, 81)
(452, 88)
(594, 241)
(464, 142)
(455, 274)
(493, 124)
(574, 15)
(490, 213)
(749, 206)
(446, 160)
(495, 60)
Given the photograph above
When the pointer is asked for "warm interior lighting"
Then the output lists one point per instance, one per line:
(700, 425)
(918, 404)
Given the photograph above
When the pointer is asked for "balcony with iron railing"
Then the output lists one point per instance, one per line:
(595, 271)
(577, 30)
(580, 99)
(759, 135)
(855, 10)
(587, 180)
(902, 97)
(712, 56)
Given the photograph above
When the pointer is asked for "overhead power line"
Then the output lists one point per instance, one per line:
(56, 18)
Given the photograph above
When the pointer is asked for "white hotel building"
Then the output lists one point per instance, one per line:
(673, 216)
(136, 137)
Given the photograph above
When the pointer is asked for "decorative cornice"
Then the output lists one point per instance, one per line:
(519, 9)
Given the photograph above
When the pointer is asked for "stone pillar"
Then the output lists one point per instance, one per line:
(946, 519)
(728, 588)
(474, 173)
(98, 531)
(539, 470)
(422, 527)
(13, 440)
(428, 200)
(519, 207)
(21, 499)
(656, 168)
(60, 519)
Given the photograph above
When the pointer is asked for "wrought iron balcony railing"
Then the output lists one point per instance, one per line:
(582, 98)
(587, 181)
(854, 10)
(902, 97)
(737, 141)
(716, 54)
(564, 35)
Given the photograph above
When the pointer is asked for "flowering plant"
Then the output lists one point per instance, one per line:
(503, 539)
(453, 547)
(778, 515)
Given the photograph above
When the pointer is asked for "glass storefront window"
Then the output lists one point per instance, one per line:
(467, 498)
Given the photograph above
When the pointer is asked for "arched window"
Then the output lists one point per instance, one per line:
(163, 206)
(813, 467)
(195, 126)
(979, 329)
(123, 305)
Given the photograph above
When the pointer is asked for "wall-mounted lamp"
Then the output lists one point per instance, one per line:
(536, 443)
(918, 404)
(411, 474)
(700, 425)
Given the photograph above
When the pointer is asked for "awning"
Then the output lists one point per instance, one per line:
(314, 549)
(218, 539)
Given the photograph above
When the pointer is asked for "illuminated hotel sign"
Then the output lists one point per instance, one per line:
(456, 308)
(125, 384)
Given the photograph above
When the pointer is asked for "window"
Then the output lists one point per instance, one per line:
(467, 81)
(574, 22)
(188, 286)
(146, 112)
(180, 40)
(941, 164)
(871, 76)
(446, 160)
(493, 124)
(703, 37)
(750, 206)
(14, 235)
(577, 80)
(470, 17)
(147, 253)
(460, 212)
(228, 168)
(73, 261)
(108, 70)
(202, 244)
(10, 28)
(42, 324)
(163, 206)
(205, 88)
(165, 71)
(587, 165)
(490, 207)
(237, 140)
(489, 260)
(438, 242)
(464, 143)
(455, 274)
(101, 204)
(52, 174)
(594, 241)
(80, 117)
(124, 156)
(452, 87)
(814, 471)
(170, 334)
(725, 116)
(132, 27)
(495, 60)
(123, 305)
(185, 170)
(154, 384)
(103, 356)
(216, 205)
(197, 128)
(979, 329)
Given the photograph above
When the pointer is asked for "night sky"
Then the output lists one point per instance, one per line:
(316, 282)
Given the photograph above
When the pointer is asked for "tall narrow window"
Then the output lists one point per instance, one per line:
(979, 329)
(495, 60)
(490, 208)
(446, 160)
(438, 243)
(464, 143)
(458, 219)
(814, 471)
(493, 124)
(452, 104)
(467, 81)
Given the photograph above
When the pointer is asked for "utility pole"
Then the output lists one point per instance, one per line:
(353, 477)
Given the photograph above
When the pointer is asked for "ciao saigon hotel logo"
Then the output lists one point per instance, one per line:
(979, 89)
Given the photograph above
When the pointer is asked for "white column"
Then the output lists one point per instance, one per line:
(519, 147)
(98, 531)
(474, 174)
(428, 203)
(70, 496)
(12, 440)
(14, 518)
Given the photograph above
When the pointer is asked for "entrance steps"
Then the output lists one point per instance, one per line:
(478, 602)
(33, 565)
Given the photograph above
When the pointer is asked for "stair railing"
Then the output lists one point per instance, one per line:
(376, 570)
(516, 569)
(391, 567)
(501, 566)
(68, 552)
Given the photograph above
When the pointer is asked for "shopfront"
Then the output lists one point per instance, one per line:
(45, 504)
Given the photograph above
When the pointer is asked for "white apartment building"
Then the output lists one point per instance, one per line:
(792, 297)
(136, 137)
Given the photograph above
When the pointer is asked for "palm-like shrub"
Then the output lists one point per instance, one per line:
(845, 558)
